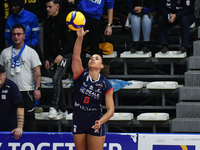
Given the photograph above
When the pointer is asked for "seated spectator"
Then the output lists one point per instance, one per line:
(11, 106)
(171, 13)
(27, 19)
(141, 16)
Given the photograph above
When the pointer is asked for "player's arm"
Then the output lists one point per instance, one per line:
(76, 59)
(110, 111)
(109, 106)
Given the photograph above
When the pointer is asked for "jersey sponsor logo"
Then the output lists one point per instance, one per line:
(84, 107)
(82, 90)
(92, 94)
(89, 92)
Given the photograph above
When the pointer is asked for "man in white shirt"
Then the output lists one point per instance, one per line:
(22, 65)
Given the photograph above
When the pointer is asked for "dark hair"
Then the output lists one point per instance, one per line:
(105, 71)
(54, 1)
(19, 3)
(19, 26)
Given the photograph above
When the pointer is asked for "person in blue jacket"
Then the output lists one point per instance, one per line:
(141, 15)
(175, 12)
(91, 88)
(93, 10)
(25, 18)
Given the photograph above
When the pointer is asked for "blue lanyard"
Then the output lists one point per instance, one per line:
(22, 49)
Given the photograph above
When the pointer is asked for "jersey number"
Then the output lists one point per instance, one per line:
(86, 100)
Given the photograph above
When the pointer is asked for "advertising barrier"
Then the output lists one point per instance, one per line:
(62, 141)
(114, 141)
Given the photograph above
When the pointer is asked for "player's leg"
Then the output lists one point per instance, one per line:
(80, 141)
(95, 142)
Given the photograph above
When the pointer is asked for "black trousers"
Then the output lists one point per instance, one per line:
(93, 36)
(29, 118)
(58, 72)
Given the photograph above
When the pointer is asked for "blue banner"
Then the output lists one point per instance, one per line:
(62, 141)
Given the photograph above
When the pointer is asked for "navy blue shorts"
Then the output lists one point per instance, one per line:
(84, 126)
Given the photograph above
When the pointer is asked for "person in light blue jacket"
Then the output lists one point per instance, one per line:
(25, 18)
(93, 10)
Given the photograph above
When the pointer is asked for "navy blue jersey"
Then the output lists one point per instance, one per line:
(88, 94)
(10, 96)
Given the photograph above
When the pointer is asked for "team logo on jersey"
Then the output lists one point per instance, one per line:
(4, 91)
(82, 89)
(99, 84)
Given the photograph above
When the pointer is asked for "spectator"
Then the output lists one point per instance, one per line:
(90, 88)
(142, 14)
(22, 65)
(57, 53)
(11, 106)
(27, 19)
(93, 10)
(171, 13)
(38, 7)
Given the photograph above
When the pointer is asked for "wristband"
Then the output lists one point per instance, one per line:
(37, 88)
(109, 24)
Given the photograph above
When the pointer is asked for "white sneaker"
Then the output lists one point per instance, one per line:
(52, 113)
(65, 114)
